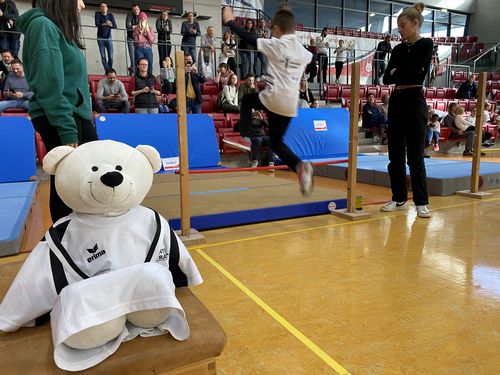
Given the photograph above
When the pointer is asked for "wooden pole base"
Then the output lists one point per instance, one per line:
(353, 216)
(193, 238)
(477, 195)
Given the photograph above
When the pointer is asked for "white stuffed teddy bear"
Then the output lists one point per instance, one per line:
(108, 262)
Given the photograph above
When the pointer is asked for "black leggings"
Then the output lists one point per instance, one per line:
(339, 65)
(406, 140)
(86, 133)
(277, 128)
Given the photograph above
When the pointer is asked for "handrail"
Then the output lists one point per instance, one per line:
(483, 54)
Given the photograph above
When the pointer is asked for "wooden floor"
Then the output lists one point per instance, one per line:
(393, 294)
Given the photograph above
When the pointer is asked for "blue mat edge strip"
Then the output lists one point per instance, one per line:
(259, 215)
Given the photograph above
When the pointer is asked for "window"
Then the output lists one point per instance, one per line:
(330, 17)
(458, 19)
(334, 3)
(378, 23)
(427, 14)
(356, 20)
(440, 29)
(356, 4)
(426, 29)
(457, 30)
(443, 17)
(304, 13)
(380, 7)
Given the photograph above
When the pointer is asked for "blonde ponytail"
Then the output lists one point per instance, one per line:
(414, 13)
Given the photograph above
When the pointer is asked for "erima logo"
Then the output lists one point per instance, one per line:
(96, 252)
(162, 256)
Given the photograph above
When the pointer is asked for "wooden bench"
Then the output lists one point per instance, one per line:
(30, 350)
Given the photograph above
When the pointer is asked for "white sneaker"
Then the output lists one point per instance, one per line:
(423, 211)
(271, 165)
(255, 164)
(305, 172)
(394, 206)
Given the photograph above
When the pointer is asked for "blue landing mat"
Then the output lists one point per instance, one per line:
(444, 177)
(15, 206)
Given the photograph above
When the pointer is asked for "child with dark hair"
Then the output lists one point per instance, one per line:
(433, 132)
(286, 60)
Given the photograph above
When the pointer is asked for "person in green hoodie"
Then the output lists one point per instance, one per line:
(56, 72)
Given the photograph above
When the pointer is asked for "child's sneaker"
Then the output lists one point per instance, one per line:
(255, 164)
(394, 206)
(436, 147)
(305, 172)
(423, 211)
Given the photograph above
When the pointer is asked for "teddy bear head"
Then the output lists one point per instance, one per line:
(102, 177)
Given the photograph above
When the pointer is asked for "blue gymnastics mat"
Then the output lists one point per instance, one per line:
(161, 132)
(16, 199)
(17, 151)
(444, 177)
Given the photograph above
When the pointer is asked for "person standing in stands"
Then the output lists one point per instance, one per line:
(383, 48)
(260, 60)
(104, 22)
(407, 69)
(131, 21)
(228, 46)
(164, 29)
(145, 88)
(56, 72)
(340, 59)
(322, 54)
(190, 29)
(193, 86)
(286, 60)
(5, 67)
(247, 50)
(143, 41)
(9, 35)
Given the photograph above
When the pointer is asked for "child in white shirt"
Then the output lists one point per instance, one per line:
(286, 61)
(434, 132)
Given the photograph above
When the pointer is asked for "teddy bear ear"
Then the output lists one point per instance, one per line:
(153, 156)
(54, 156)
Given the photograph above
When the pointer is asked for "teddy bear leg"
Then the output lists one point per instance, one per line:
(148, 318)
(98, 335)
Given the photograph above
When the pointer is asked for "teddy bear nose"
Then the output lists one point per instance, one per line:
(112, 179)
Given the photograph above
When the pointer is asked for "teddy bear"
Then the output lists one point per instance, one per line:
(108, 271)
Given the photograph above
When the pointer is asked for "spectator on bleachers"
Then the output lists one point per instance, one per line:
(5, 67)
(229, 97)
(164, 29)
(145, 92)
(208, 47)
(247, 88)
(111, 94)
(256, 134)
(431, 111)
(190, 29)
(487, 112)
(379, 64)
(312, 67)
(373, 118)
(340, 59)
(223, 75)
(467, 90)
(315, 104)
(433, 132)
(322, 55)
(193, 86)
(143, 41)
(247, 50)
(131, 21)
(9, 34)
(16, 92)
(104, 22)
(384, 107)
(260, 60)
(305, 93)
(167, 76)
(228, 46)
(487, 137)
(464, 128)
(433, 70)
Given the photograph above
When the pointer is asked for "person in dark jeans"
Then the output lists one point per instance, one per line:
(257, 136)
(131, 21)
(407, 69)
(164, 28)
(383, 48)
(104, 22)
(190, 29)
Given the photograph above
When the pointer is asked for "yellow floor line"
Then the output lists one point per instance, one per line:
(290, 328)
(381, 217)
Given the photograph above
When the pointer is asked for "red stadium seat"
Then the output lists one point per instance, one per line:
(210, 88)
(232, 119)
(471, 105)
(385, 90)
(220, 121)
(373, 90)
(432, 103)
(450, 93)
(441, 105)
(440, 93)
(430, 93)
(206, 106)
(332, 93)
(345, 92)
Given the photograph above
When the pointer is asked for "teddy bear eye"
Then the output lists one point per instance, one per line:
(118, 168)
(95, 169)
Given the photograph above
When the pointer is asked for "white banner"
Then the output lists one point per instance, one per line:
(245, 8)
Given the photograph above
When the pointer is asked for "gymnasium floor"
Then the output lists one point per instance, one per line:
(393, 294)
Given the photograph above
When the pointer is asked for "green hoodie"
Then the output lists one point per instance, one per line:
(56, 73)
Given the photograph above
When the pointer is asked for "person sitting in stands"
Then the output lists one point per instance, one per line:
(257, 136)
(384, 107)
(5, 67)
(145, 91)
(16, 92)
(229, 96)
(248, 87)
(466, 128)
(487, 112)
(433, 132)
(167, 76)
(305, 93)
(467, 90)
(373, 118)
(111, 94)
(223, 75)
(315, 104)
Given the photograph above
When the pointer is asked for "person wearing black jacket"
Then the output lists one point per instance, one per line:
(145, 89)
(193, 86)
(164, 28)
(467, 90)
(131, 21)
(255, 132)
(407, 69)
(383, 48)
(9, 35)
(190, 29)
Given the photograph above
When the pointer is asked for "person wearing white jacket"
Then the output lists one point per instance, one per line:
(230, 96)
